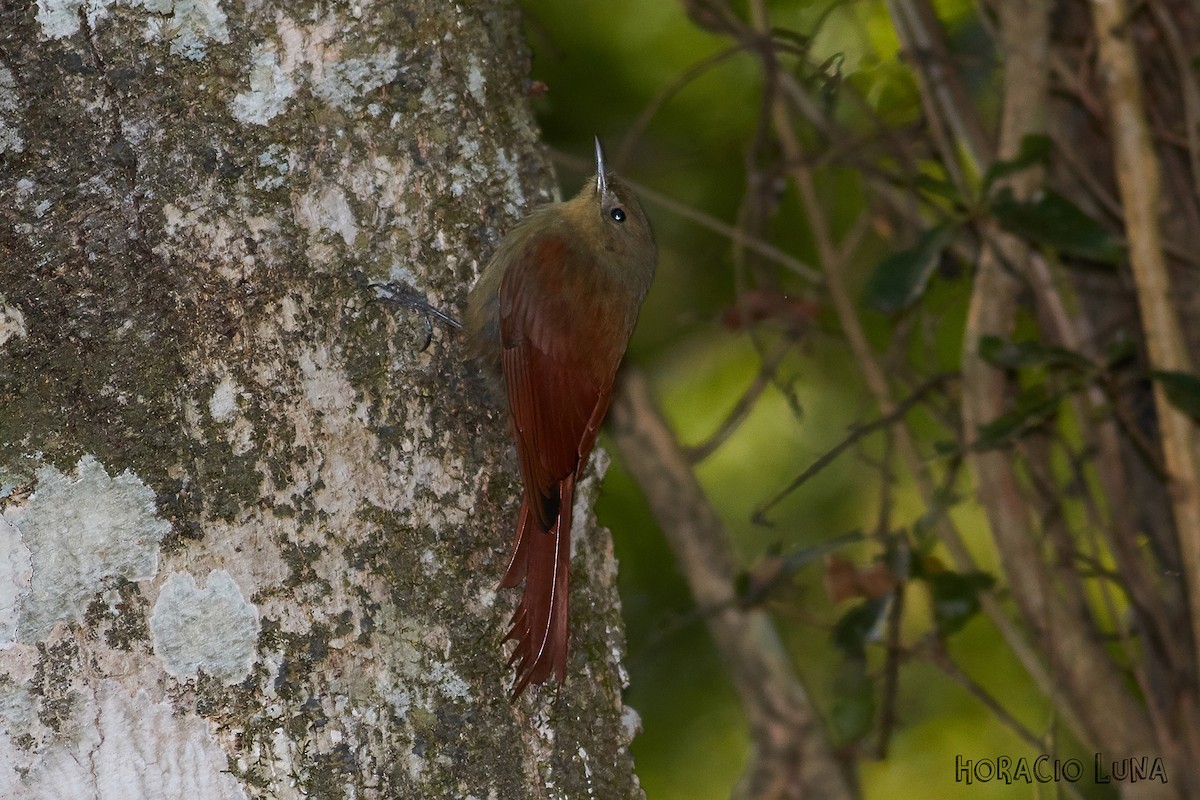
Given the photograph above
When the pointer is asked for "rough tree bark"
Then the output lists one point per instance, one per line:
(251, 534)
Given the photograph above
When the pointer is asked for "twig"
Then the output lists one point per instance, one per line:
(898, 413)
(666, 93)
(891, 664)
(1189, 89)
(941, 659)
(745, 404)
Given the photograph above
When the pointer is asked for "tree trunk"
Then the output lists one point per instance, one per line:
(251, 532)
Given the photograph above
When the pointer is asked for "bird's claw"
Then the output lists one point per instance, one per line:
(404, 296)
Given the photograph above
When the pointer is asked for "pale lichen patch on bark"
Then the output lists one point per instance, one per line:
(16, 570)
(10, 109)
(342, 83)
(271, 87)
(82, 532)
(123, 745)
(211, 629)
(326, 211)
(12, 322)
(190, 24)
(311, 56)
(223, 403)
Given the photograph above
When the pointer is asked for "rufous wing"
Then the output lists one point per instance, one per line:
(558, 376)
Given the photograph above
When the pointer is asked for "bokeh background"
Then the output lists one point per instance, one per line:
(603, 66)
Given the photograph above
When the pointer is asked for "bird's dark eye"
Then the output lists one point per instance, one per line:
(618, 214)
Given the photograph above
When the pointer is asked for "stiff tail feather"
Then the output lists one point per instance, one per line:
(543, 559)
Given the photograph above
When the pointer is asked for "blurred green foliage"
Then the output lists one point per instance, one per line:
(604, 64)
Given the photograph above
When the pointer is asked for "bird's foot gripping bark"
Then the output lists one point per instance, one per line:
(402, 295)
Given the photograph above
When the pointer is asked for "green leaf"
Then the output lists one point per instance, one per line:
(1054, 221)
(901, 279)
(946, 447)
(1035, 149)
(1121, 352)
(956, 597)
(1033, 407)
(741, 584)
(1183, 390)
(852, 631)
(1015, 355)
(853, 708)
(938, 187)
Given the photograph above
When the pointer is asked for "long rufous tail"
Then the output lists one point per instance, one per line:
(543, 558)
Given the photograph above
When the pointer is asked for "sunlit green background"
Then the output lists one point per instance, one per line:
(603, 63)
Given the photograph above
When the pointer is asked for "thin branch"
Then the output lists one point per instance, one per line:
(745, 404)
(937, 655)
(897, 414)
(1189, 89)
(891, 667)
(666, 93)
(952, 122)
(941, 659)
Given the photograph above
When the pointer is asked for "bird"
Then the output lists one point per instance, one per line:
(548, 323)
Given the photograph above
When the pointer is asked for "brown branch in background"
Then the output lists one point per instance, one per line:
(1139, 185)
(941, 659)
(922, 34)
(942, 95)
(790, 756)
(937, 655)
(1138, 178)
(935, 652)
(1189, 87)
(1111, 205)
(1089, 690)
(876, 380)
(1141, 443)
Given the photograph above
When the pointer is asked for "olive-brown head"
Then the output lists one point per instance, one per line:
(608, 234)
(613, 228)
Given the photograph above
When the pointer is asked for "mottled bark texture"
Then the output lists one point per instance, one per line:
(251, 534)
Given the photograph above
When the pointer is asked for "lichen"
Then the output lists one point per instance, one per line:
(211, 629)
(129, 746)
(16, 569)
(83, 532)
(270, 88)
(10, 123)
(12, 321)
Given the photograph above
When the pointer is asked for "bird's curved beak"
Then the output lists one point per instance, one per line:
(601, 169)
